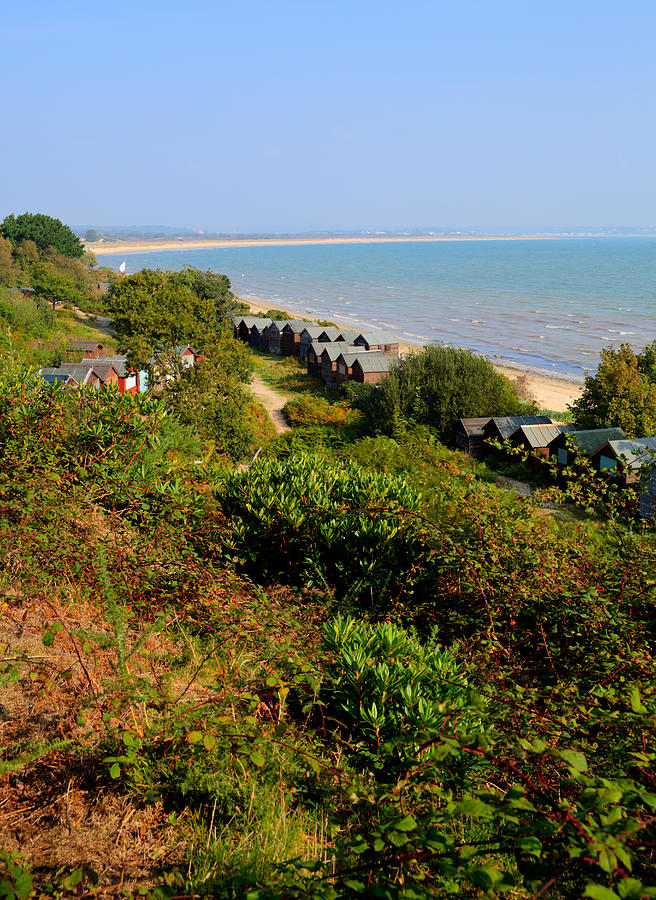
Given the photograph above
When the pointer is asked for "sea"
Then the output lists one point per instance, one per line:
(548, 306)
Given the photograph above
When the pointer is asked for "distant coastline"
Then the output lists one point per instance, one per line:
(108, 248)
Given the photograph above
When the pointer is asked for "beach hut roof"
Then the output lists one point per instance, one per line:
(373, 362)
(590, 440)
(474, 426)
(77, 372)
(119, 361)
(313, 331)
(634, 453)
(331, 332)
(542, 435)
(86, 345)
(261, 323)
(297, 325)
(332, 350)
(346, 334)
(351, 354)
(508, 425)
(378, 337)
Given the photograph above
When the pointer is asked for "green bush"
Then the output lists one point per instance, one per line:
(309, 521)
(31, 317)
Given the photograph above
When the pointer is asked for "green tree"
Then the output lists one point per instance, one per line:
(153, 311)
(92, 235)
(436, 387)
(211, 396)
(620, 393)
(54, 287)
(8, 269)
(44, 231)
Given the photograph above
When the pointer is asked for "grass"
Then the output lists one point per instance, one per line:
(288, 376)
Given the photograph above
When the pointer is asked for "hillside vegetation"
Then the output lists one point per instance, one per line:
(352, 668)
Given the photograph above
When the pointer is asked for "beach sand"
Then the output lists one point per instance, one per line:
(550, 392)
(104, 248)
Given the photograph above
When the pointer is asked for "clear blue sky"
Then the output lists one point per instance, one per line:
(344, 114)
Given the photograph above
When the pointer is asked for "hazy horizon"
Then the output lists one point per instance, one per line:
(247, 117)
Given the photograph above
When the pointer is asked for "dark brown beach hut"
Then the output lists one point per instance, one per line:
(290, 337)
(345, 360)
(329, 356)
(470, 434)
(257, 332)
(370, 368)
(387, 343)
(538, 438)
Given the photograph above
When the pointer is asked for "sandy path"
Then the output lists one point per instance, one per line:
(272, 401)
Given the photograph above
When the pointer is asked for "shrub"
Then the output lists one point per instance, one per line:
(309, 410)
(309, 521)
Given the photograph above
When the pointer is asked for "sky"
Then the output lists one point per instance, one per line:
(349, 114)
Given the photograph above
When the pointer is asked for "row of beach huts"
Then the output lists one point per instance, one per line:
(333, 354)
(97, 370)
(609, 451)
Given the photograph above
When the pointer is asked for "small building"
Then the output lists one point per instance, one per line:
(329, 356)
(90, 349)
(329, 334)
(370, 368)
(244, 327)
(69, 376)
(257, 333)
(345, 360)
(538, 438)
(347, 334)
(188, 356)
(567, 446)
(290, 337)
(129, 378)
(625, 459)
(313, 333)
(470, 435)
(387, 343)
(314, 352)
(502, 428)
(274, 335)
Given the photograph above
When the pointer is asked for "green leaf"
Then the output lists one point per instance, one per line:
(575, 759)
(257, 758)
(406, 824)
(48, 638)
(209, 741)
(115, 771)
(636, 703)
(599, 892)
(194, 737)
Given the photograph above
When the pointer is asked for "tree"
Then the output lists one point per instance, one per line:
(436, 387)
(8, 269)
(44, 231)
(55, 287)
(212, 399)
(620, 394)
(153, 311)
(92, 235)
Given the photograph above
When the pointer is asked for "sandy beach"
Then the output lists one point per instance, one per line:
(549, 392)
(105, 248)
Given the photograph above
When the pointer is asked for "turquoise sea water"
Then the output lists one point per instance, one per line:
(546, 305)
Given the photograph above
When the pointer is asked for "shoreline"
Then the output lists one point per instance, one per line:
(551, 392)
(117, 247)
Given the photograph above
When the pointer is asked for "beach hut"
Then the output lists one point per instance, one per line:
(567, 446)
(329, 334)
(69, 375)
(313, 333)
(244, 327)
(257, 333)
(315, 350)
(329, 356)
(387, 343)
(345, 360)
(538, 438)
(625, 459)
(129, 378)
(90, 349)
(370, 368)
(501, 428)
(470, 434)
(290, 337)
(274, 336)
(346, 334)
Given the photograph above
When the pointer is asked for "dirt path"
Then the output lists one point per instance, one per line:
(272, 401)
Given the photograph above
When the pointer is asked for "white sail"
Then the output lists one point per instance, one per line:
(121, 268)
